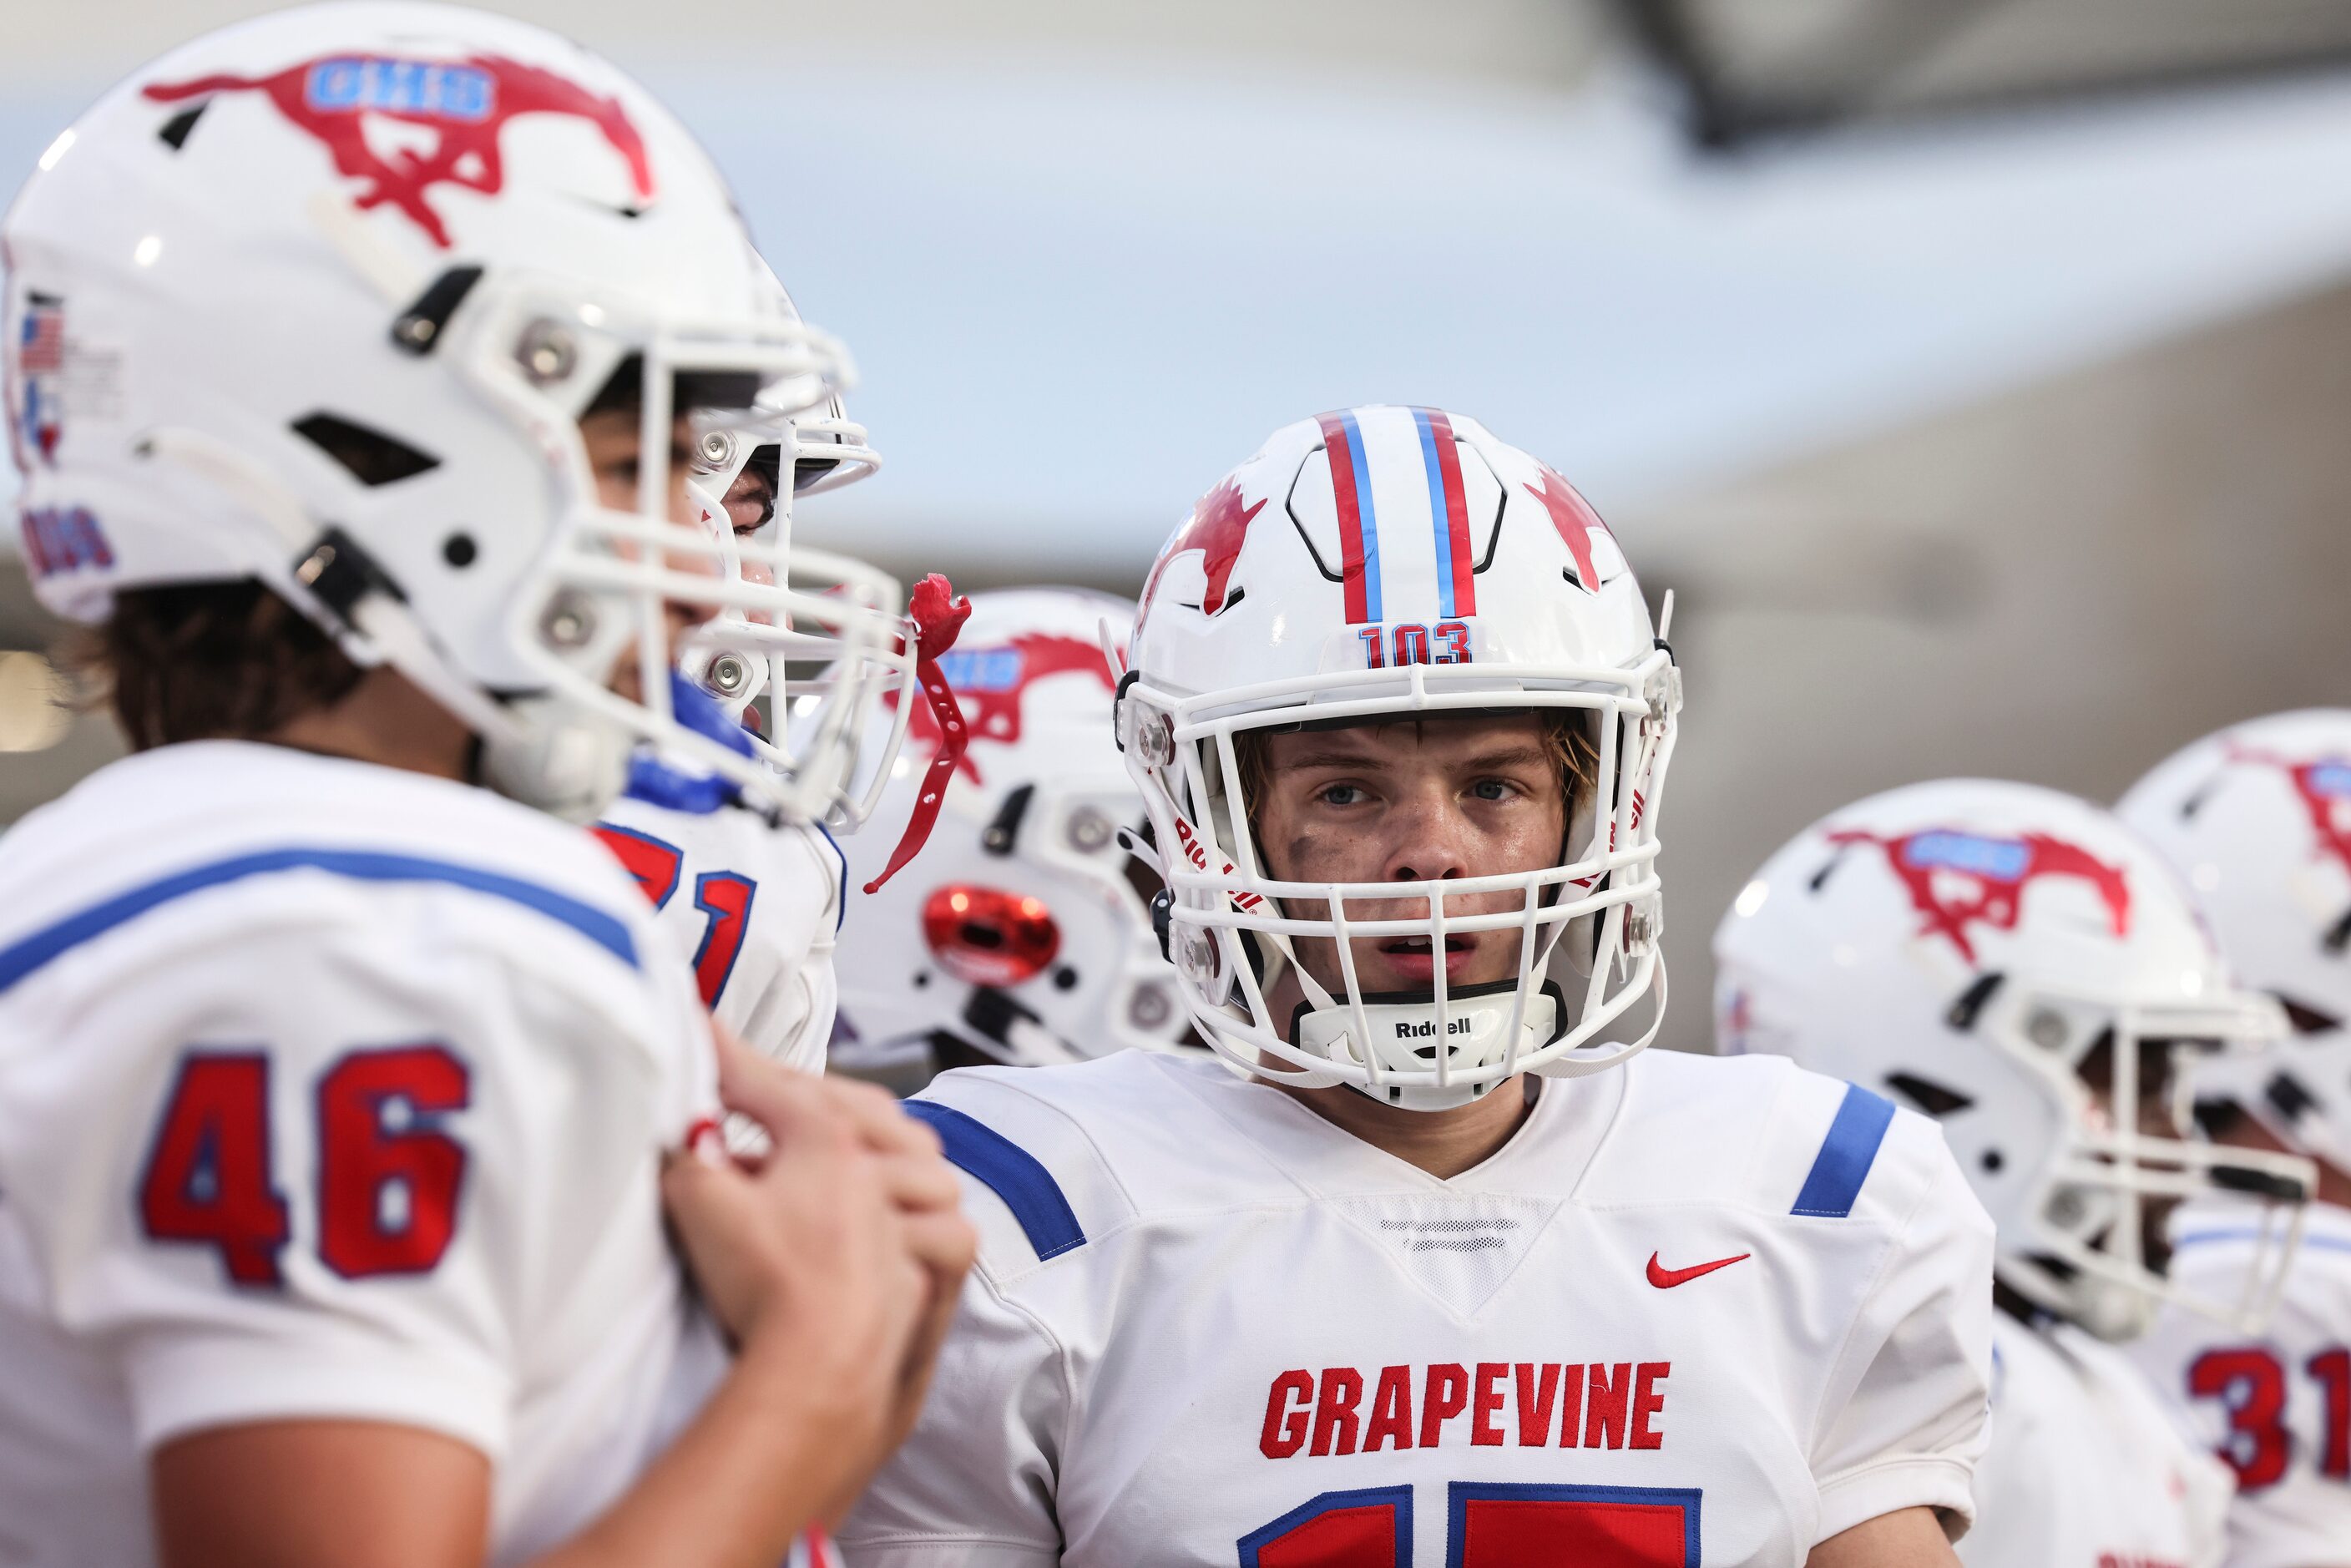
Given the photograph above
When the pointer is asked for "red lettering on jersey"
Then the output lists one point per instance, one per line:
(1390, 1410)
(1444, 1396)
(1342, 1390)
(1535, 1401)
(1485, 1431)
(1285, 1429)
(2000, 868)
(468, 101)
(1648, 1402)
(1604, 1415)
(1327, 1416)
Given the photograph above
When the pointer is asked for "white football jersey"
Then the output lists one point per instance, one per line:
(1696, 1308)
(2086, 1469)
(2275, 1406)
(756, 905)
(331, 1091)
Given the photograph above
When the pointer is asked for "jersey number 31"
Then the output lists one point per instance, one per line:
(389, 1177)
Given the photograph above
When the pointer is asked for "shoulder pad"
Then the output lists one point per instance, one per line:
(1770, 1136)
(1070, 1154)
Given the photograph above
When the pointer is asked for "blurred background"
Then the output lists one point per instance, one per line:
(1977, 371)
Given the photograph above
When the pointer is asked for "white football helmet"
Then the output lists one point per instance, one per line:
(1996, 955)
(319, 299)
(2257, 820)
(1380, 563)
(1023, 934)
(822, 450)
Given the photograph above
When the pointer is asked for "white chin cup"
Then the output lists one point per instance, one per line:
(557, 759)
(2111, 1309)
(1405, 1037)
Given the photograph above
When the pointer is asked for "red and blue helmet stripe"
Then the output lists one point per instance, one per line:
(1359, 526)
(1448, 513)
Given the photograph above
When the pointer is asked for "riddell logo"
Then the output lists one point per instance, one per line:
(469, 102)
(1991, 873)
(1407, 1030)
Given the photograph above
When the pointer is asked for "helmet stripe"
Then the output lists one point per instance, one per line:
(1457, 587)
(1359, 529)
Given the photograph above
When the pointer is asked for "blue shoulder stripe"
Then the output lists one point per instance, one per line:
(1026, 1187)
(23, 957)
(1846, 1155)
(841, 911)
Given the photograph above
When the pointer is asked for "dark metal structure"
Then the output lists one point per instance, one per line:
(1755, 68)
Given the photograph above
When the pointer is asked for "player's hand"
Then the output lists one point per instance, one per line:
(805, 1260)
(921, 1187)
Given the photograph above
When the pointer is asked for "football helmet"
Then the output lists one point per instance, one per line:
(2257, 820)
(2018, 964)
(735, 664)
(1028, 937)
(319, 300)
(1386, 562)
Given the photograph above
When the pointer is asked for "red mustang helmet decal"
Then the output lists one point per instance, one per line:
(2323, 786)
(1573, 516)
(992, 682)
(469, 102)
(2000, 868)
(1220, 524)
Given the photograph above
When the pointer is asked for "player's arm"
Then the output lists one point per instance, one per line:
(1905, 1416)
(824, 1293)
(1908, 1538)
(314, 1388)
(975, 1484)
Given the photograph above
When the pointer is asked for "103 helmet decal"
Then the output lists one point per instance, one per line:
(2020, 964)
(1023, 935)
(2257, 819)
(461, 305)
(1381, 563)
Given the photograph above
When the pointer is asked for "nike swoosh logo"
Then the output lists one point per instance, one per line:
(1666, 1279)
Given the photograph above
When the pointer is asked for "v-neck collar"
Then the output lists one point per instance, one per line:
(1546, 1156)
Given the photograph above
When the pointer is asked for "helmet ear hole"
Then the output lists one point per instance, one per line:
(367, 454)
(1935, 1099)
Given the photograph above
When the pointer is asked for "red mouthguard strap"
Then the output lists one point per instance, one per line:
(938, 615)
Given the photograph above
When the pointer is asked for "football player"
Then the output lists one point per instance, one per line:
(1444, 1270)
(1028, 937)
(2257, 820)
(2017, 964)
(340, 1097)
(753, 894)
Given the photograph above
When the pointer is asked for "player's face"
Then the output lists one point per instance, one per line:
(2154, 1112)
(750, 506)
(612, 439)
(1412, 802)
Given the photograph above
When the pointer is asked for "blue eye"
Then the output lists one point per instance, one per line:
(1330, 794)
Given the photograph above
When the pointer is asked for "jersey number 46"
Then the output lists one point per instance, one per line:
(389, 1177)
